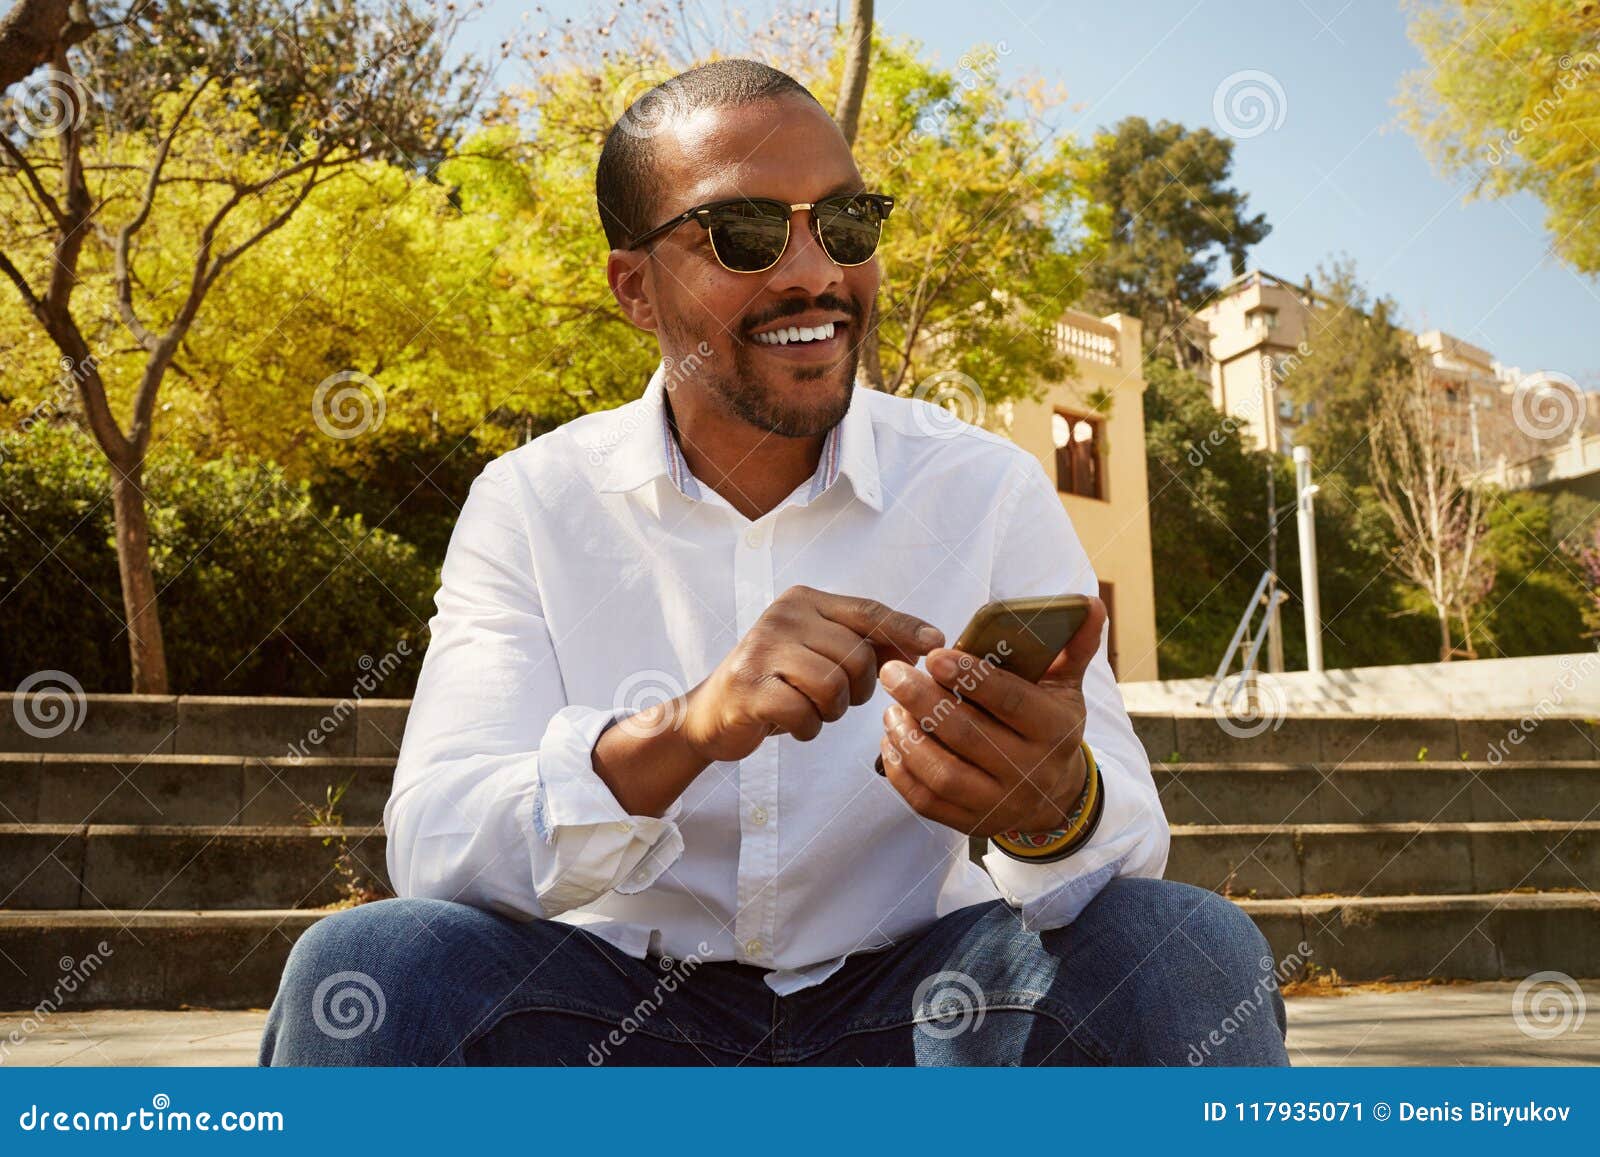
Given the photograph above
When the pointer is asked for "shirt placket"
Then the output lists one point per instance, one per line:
(755, 925)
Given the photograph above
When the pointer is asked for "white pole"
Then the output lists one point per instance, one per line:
(1304, 490)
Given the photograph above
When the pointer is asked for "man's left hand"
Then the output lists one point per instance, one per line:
(982, 750)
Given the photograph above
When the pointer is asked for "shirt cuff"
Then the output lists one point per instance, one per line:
(598, 846)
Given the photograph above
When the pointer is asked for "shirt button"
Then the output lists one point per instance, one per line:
(624, 827)
(759, 817)
(753, 947)
(753, 537)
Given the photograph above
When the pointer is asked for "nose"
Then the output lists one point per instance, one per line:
(805, 266)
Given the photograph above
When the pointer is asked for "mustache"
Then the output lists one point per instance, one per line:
(794, 306)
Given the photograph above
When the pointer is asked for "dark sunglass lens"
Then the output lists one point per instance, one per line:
(850, 228)
(750, 237)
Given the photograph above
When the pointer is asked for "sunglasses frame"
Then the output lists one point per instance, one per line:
(701, 214)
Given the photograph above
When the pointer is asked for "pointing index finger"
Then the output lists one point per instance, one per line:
(903, 636)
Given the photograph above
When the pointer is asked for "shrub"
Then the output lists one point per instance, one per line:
(262, 591)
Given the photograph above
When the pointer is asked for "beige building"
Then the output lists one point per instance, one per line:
(1253, 331)
(1258, 328)
(1088, 432)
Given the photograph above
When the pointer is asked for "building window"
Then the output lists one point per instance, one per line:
(1078, 441)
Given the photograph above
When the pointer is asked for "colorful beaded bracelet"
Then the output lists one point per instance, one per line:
(1046, 847)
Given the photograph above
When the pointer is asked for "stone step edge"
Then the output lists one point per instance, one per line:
(171, 917)
(1201, 767)
(369, 831)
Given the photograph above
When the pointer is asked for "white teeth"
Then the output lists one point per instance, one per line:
(796, 334)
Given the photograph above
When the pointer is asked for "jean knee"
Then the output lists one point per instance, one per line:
(350, 977)
(1205, 984)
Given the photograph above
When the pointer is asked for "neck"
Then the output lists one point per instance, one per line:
(752, 469)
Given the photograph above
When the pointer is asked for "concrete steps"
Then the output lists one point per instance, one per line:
(222, 959)
(183, 843)
(146, 866)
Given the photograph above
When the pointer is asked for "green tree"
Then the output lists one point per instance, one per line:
(1510, 97)
(1351, 348)
(232, 142)
(1165, 215)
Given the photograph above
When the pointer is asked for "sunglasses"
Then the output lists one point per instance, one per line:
(749, 234)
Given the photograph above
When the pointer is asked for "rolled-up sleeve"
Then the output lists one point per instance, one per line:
(1039, 554)
(495, 800)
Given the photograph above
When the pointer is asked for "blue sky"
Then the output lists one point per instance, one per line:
(1337, 177)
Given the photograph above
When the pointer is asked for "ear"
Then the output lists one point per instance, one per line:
(628, 275)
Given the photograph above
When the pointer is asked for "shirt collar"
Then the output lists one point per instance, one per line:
(642, 447)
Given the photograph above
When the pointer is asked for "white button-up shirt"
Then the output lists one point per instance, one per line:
(591, 575)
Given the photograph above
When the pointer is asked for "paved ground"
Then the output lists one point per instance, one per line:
(1443, 1025)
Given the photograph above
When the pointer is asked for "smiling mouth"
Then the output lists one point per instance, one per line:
(796, 335)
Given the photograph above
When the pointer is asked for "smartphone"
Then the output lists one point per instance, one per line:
(1022, 636)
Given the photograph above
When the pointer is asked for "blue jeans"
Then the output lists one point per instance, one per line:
(1151, 973)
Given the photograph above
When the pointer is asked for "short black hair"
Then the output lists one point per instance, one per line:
(624, 186)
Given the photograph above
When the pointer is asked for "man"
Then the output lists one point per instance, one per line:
(636, 818)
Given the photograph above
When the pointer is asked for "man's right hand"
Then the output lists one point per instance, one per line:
(809, 657)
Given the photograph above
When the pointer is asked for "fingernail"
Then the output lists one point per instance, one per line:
(930, 636)
(942, 665)
(893, 673)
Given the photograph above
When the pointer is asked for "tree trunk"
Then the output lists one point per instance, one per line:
(871, 362)
(854, 84)
(36, 32)
(1446, 648)
(146, 651)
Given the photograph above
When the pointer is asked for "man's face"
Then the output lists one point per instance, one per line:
(789, 150)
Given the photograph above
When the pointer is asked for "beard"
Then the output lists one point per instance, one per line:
(762, 394)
